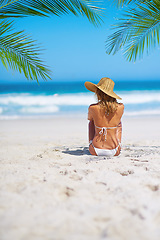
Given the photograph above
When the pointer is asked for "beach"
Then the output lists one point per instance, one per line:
(52, 188)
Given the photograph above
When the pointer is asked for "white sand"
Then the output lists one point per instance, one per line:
(52, 189)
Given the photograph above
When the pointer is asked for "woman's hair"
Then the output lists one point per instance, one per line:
(108, 103)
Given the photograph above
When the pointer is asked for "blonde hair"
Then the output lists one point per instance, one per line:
(108, 103)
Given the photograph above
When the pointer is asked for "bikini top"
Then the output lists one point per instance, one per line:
(104, 130)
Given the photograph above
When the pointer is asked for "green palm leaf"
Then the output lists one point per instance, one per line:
(127, 2)
(17, 50)
(137, 32)
(22, 8)
(21, 53)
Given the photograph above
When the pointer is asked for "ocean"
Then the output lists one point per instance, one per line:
(30, 100)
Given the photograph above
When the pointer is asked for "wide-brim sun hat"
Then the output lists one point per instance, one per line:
(106, 85)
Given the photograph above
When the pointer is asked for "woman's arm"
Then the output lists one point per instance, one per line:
(119, 132)
(119, 129)
(91, 128)
(119, 137)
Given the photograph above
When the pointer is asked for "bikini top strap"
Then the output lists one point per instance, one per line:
(104, 130)
(106, 127)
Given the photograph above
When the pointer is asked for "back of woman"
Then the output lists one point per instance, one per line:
(105, 126)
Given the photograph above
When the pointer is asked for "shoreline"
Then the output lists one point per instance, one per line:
(71, 115)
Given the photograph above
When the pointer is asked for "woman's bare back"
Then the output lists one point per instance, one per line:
(98, 120)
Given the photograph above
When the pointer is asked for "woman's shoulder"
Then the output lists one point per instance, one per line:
(120, 108)
(121, 105)
(93, 106)
(92, 112)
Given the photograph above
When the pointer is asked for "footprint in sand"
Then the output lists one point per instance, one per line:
(67, 192)
(73, 175)
(153, 187)
(54, 165)
(126, 173)
(85, 172)
(103, 183)
(76, 177)
(65, 172)
(136, 212)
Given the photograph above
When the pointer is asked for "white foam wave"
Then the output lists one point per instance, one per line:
(140, 97)
(50, 109)
(27, 104)
(41, 100)
(143, 113)
(134, 97)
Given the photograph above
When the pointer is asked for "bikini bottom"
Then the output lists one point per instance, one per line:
(105, 152)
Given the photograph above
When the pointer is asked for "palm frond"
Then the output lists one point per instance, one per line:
(137, 32)
(22, 8)
(121, 3)
(19, 52)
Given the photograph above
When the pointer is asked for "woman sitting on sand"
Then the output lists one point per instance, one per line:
(105, 128)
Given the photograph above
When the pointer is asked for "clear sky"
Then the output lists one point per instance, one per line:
(75, 50)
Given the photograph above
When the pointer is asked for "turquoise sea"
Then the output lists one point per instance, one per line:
(19, 100)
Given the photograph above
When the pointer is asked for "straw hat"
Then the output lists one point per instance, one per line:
(106, 85)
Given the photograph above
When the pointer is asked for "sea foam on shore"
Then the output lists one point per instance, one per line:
(49, 99)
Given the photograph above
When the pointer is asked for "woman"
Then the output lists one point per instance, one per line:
(105, 128)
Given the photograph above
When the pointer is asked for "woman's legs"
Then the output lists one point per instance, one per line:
(91, 150)
(118, 151)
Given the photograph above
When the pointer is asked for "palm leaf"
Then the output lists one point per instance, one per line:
(22, 8)
(121, 3)
(20, 53)
(137, 32)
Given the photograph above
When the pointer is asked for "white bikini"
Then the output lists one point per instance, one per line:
(105, 152)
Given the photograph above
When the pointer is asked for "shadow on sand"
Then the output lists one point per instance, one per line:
(78, 152)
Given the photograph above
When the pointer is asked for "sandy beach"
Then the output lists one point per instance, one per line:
(51, 188)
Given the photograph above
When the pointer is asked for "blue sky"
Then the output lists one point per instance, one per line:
(75, 50)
